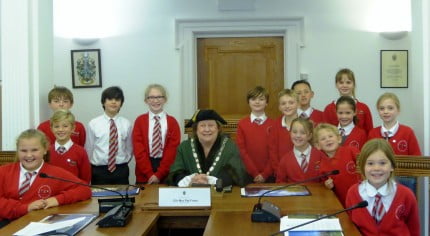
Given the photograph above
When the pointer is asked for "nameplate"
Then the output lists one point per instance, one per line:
(184, 197)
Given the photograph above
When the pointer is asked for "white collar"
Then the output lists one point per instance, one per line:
(23, 170)
(385, 190)
(298, 153)
(67, 145)
(308, 111)
(262, 117)
(348, 129)
(162, 115)
(391, 131)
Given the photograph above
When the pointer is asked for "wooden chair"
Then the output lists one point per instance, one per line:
(7, 157)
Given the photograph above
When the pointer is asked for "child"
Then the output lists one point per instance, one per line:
(327, 139)
(351, 135)
(280, 138)
(64, 153)
(392, 209)
(109, 141)
(345, 84)
(252, 137)
(154, 158)
(304, 91)
(401, 137)
(303, 161)
(62, 98)
(21, 188)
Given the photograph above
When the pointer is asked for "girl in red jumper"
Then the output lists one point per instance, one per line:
(154, 158)
(21, 188)
(393, 208)
(342, 158)
(303, 161)
(345, 84)
(351, 134)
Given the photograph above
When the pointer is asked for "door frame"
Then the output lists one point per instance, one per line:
(187, 31)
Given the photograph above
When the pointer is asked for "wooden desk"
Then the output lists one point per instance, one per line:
(142, 223)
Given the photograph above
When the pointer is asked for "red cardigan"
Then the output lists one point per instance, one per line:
(289, 169)
(141, 148)
(78, 136)
(357, 138)
(404, 142)
(363, 115)
(253, 143)
(13, 206)
(401, 219)
(75, 160)
(316, 117)
(280, 143)
(345, 161)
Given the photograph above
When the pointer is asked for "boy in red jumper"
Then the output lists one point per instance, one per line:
(64, 152)
(393, 208)
(252, 137)
(21, 188)
(304, 91)
(62, 98)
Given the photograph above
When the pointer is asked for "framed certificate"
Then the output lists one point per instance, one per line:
(394, 68)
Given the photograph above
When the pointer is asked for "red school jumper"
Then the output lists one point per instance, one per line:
(357, 138)
(279, 143)
(78, 135)
(75, 160)
(141, 148)
(253, 142)
(13, 206)
(290, 171)
(363, 115)
(343, 160)
(401, 219)
(317, 116)
(404, 142)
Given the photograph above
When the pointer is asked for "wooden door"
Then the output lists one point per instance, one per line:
(229, 67)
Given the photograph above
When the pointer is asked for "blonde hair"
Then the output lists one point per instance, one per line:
(61, 115)
(288, 92)
(349, 74)
(325, 126)
(371, 147)
(307, 125)
(159, 87)
(386, 96)
(34, 133)
(60, 92)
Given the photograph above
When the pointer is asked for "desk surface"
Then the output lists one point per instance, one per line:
(228, 212)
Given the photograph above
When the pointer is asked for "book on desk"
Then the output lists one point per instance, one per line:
(121, 189)
(58, 224)
(257, 191)
(325, 227)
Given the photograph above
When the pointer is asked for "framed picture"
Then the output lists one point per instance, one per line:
(394, 68)
(86, 68)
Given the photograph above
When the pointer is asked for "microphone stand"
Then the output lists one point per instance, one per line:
(359, 205)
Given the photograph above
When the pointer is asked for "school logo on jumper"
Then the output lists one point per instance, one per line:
(400, 212)
(44, 191)
(351, 168)
(355, 144)
(402, 145)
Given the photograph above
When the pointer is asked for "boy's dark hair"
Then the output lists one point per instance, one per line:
(113, 92)
(302, 81)
(257, 92)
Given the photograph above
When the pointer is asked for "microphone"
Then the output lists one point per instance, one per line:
(358, 205)
(268, 212)
(117, 216)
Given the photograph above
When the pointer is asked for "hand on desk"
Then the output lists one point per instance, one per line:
(153, 180)
(51, 202)
(259, 179)
(199, 179)
(36, 205)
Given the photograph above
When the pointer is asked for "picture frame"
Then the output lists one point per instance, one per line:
(394, 68)
(86, 68)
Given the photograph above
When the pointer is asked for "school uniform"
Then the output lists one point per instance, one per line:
(290, 170)
(343, 160)
(316, 116)
(147, 165)
(78, 136)
(97, 146)
(400, 206)
(401, 138)
(74, 159)
(363, 115)
(13, 205)
(279, 142)
(253, 142)
(354, 136)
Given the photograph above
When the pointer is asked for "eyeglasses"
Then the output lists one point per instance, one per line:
(154, 97)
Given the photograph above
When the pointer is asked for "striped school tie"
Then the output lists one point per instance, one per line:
(258, 121)
(342, 132)
(303, 115)
(61, 150)
(387, 135)
(378, 208)
(25, 185)
(113, 146)
(304, 164)
(157, 145)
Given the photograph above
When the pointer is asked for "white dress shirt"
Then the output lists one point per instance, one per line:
(262, 117)
(23, 171)
(368, 192)
(298, 154)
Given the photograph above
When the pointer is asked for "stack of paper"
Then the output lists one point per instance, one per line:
(321, 227)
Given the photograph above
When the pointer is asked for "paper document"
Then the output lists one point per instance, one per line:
(35, 228)
(315, 228)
